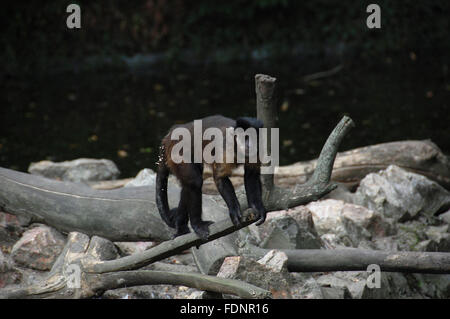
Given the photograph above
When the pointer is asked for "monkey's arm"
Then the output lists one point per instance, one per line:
(253, 191)
(226, 189)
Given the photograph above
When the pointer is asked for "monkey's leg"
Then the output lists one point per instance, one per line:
(253, 190)
(226, 189)
(192, 187)
(180, 214)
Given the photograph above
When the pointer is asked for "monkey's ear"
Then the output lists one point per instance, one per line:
(246, 122)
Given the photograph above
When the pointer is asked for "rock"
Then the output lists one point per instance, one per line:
(10, 231)
(416, 235)
(346, 284)
(356, 283)
(304, 286)
(401, 195)
(38, 248)
(385, 243)
(291, 229)
(284, 233)
(9, 275)
(102, 249)
(144, 178)
(275, 260)
(130, 248)
(392, 286)
(445, 217)
(410, 234)
(253, 272)
(333, 241)
(351, 224)
(335, 293)
(430, 285)
(340, 193)
(13, 221)
(79, 170)
(440, 235)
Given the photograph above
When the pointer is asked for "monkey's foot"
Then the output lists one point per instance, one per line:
(202, 229)
(236, 217)
(261, 217)
(181, 231)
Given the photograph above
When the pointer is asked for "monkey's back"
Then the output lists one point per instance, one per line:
(214, 121)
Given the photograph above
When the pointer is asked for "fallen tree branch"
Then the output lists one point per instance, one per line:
(352, 259)
(202, 282)
(167, 248)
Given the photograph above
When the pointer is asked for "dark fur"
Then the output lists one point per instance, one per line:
(190, 176)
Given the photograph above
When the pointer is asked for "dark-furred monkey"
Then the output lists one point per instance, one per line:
(190, 174)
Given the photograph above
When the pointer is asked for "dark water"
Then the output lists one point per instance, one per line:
(122, 115)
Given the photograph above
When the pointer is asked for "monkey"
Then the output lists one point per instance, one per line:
(190, 176)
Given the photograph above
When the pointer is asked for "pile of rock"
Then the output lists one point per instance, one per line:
(392, 210)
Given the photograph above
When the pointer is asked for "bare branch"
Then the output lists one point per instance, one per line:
(202, 282)
(167, 248)
(319, 183)
(350, 259)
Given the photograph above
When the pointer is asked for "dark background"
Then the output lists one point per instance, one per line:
(113, 88)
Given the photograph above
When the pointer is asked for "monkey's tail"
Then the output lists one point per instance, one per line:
(162, 176)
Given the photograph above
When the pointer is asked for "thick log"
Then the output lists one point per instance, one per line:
(421, 157)
(124, 214)
(354, 259)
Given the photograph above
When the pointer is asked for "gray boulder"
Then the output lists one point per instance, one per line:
(292, 229)
(430, 285)
(401, 195)
(145, 177)
(342, 224)
(342, 284)
(445, 217)
(269, 273)
(38, 248)
(392, 286)
(417, 235)
(79, 170)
